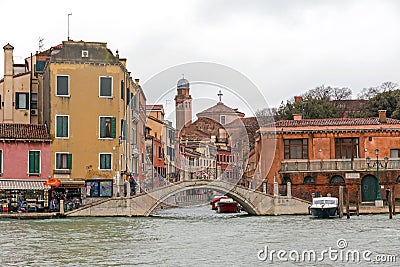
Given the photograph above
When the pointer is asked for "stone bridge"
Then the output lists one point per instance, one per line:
(254, 202)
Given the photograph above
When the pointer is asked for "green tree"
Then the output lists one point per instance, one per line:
(387, 100)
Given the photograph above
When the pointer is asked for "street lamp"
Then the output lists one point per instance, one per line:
(377, 164)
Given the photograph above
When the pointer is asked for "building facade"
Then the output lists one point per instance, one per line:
(24, 163)
(91, 107)
(319, 155)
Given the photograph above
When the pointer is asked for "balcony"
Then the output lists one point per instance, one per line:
(327, 165)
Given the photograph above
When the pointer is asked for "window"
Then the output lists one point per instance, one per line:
(105, 86)
(107, 127)
(309, 180)
(160, 154)
(34, 101)
(63, 161)
(395, 153)
(105, 162)
(337, 180)
(222, 119)
(34, 162)
(21, 100)
(99, 188)
(62, 126)
(62, 85)
(296, 148)
(122, 89)
(346, 148)
(123, 129)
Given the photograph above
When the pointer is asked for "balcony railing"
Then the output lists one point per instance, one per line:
(334, 165)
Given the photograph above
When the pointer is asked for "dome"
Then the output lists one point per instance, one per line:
(183, 83)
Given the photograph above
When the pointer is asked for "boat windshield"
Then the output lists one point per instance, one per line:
(326, 201)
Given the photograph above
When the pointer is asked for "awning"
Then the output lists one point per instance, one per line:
(24, 185)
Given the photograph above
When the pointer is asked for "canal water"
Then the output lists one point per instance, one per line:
(197, 236)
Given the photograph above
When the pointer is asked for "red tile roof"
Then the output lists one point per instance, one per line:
(220, 108)
(24, 131)
(333, 122)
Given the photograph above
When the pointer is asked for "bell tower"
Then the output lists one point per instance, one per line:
(183, 104)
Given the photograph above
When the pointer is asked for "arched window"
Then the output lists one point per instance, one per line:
(309, 180)
(286, 180)
(337, 180)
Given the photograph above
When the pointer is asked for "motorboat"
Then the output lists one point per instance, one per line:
(227, 205)
(215, 199)
(324, 207)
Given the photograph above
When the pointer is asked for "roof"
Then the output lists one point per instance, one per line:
(72, 51)
(155, 107)
(24, 131)
(220, 108)
(333, 122)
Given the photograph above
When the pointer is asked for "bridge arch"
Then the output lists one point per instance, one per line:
(229, 189)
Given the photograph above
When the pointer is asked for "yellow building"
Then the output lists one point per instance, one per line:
(90, 105)
(18, 90)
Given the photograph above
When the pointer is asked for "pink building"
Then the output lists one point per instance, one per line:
(24, 162)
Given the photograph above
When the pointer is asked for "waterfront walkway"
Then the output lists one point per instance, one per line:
(29, 215)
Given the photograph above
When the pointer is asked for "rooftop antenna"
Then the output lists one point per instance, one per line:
(41, 44)
(220, 96)
(69, 14)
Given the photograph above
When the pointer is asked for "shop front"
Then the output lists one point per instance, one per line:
(70, 191)
(33, 195)
(97, 189)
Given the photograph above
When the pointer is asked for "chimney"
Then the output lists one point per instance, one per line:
(298, 99)
(137, 82)
(297, 117)
(382, 116)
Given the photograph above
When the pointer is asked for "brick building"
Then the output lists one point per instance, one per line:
(319, 155)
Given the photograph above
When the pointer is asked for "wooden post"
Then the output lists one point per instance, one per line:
(358, 203)
(393, 200)
(340, 201)
(347, 204)
(389, 200)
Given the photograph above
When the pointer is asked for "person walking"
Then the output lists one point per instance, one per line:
(387, 195)
(20, 200)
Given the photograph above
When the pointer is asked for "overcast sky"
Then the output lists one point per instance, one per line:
(283, 47)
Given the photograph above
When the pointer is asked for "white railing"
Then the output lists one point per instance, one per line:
(336, 165)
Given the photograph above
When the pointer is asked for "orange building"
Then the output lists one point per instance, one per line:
(318, 155)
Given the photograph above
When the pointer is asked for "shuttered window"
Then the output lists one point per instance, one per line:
(105, 86)
(21, 101)
(63, 161)
(62, 85)
(62, 126)
(105, 162)
(34, 162)
(108, 127)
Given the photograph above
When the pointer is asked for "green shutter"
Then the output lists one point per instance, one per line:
(113, 127)
(16, 100)
(31, 161)
(37, 161)
(70, 161)
(102, 127)
(27, 101)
